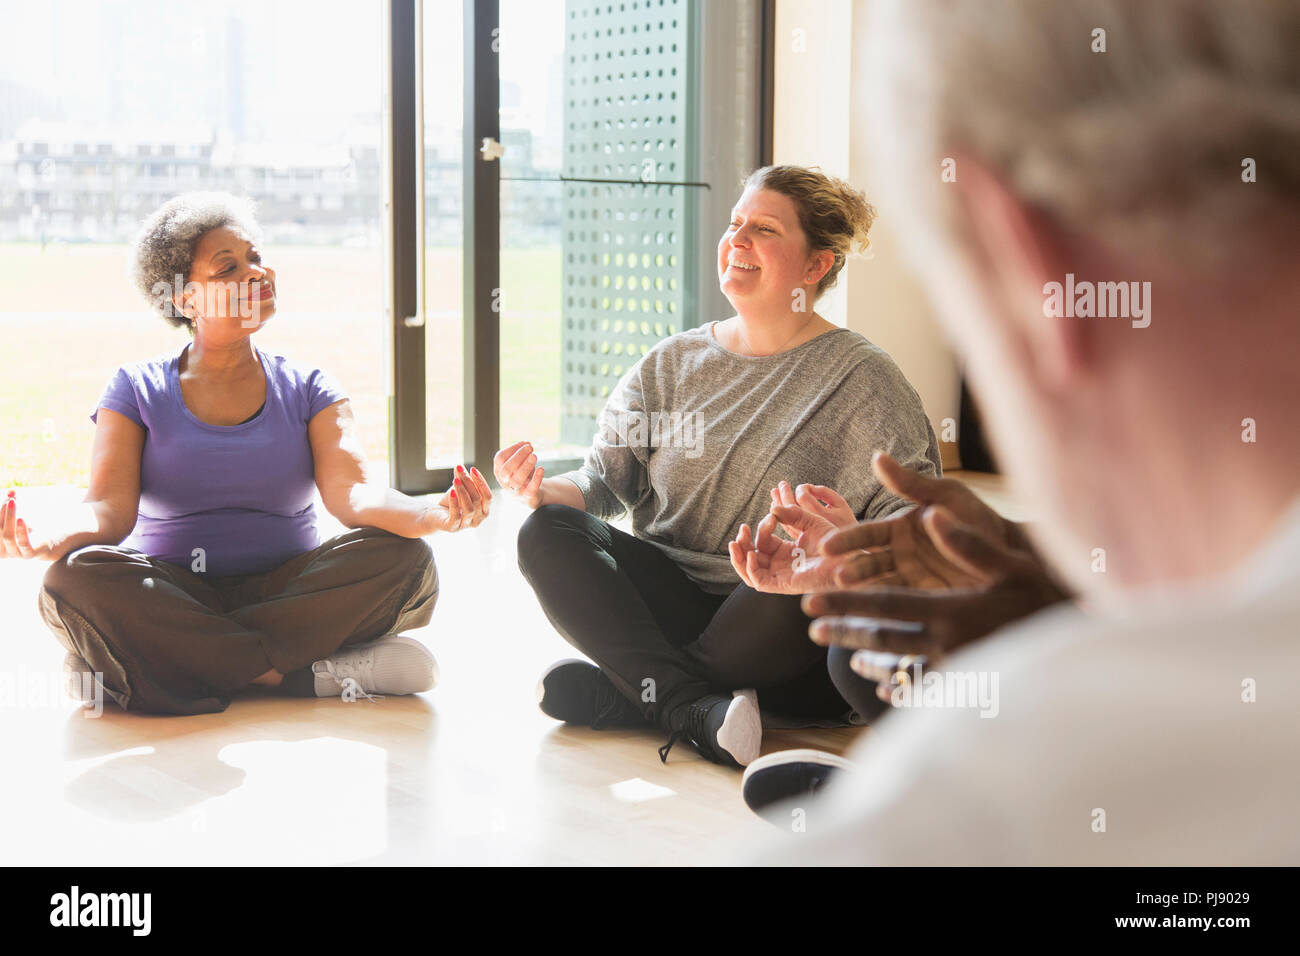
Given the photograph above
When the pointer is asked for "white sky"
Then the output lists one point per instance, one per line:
(310, 64)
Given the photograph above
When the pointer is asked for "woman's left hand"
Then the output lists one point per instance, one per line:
(465, 505)
(768, 563)
(817, 500)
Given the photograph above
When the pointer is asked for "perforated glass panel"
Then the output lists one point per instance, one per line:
(628, 241)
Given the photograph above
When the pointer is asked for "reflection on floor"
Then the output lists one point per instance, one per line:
(469, 773)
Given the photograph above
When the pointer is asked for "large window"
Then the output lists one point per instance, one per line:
(533, 132)
(443, 89)
(101, 122)
(588, 224)
(464, 297)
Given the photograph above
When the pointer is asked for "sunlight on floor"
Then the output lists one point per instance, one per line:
(470, 773)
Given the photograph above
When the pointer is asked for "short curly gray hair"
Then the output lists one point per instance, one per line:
(163, 250)
(1145, 144)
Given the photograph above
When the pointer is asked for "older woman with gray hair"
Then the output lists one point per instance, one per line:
(193, 568)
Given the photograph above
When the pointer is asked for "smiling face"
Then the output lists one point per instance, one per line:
(762, 249)
(763, 255)
(229, 288)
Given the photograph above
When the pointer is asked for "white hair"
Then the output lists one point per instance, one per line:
(1141, 144)
(164, 247)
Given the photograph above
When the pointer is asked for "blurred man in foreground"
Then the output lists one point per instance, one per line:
(1102, 199)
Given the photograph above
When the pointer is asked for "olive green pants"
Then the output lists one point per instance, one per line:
(169, 641)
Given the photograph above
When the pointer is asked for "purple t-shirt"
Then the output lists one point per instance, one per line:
(243, 493)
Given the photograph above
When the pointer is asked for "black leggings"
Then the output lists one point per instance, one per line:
(660, 638)
(858, 691)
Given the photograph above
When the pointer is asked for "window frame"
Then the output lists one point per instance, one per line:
(403, 196)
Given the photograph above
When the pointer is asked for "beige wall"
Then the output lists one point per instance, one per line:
(811, 93)
(818, 124)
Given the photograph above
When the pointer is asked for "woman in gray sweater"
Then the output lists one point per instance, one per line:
(696, 441)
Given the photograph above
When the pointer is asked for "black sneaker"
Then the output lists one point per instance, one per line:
(726, 730)
(577, 692)
(771, 781)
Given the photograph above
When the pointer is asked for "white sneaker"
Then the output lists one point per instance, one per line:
(741, 733)
(393, 664)
(725, 730)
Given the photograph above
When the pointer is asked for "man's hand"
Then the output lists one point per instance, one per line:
(899, 546)
(1005, 585)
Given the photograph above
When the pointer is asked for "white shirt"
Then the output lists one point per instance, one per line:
(1118, 740)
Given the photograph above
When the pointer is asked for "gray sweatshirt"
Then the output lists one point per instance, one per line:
(694, 437)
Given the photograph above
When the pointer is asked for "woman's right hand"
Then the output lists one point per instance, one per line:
(15, 539)
(516, 471)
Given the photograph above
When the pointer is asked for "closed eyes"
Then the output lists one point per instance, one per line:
(255, 257)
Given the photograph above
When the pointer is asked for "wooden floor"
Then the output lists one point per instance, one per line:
(469, 773)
